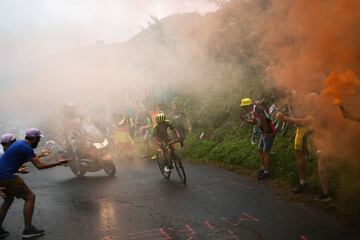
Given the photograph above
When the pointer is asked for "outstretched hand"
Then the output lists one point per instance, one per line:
(45, 152)
(23, 170)
(64, 161)
(280, 116)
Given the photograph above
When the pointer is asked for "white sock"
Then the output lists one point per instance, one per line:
(266, 171)
(302, 181)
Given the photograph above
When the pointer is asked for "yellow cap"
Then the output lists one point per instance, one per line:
(246, 102)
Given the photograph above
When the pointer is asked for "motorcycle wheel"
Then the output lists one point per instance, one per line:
(78, 173)
(109, 168)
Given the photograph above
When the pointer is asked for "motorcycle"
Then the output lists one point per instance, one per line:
(89, 152)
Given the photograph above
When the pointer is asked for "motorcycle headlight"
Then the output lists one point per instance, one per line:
(102, 145)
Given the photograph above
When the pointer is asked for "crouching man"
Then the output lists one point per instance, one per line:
(14, 157)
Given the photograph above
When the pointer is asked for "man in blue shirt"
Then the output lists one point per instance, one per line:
(15, 156)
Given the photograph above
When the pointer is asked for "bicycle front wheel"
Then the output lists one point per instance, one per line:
(161, 164)
(179, 168)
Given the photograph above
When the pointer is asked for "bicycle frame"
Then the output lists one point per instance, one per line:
(168, 147)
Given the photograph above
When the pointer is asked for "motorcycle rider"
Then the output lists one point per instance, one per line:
(79, 134)
(74, 136)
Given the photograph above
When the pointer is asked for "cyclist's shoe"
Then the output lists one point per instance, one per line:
(167, 169)
(3, 233)
(259, 172)
(153, 157)
(32, 232)
(324, 197)
(299, 189)
(264, 176)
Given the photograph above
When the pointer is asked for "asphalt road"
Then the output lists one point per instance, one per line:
(138, 204)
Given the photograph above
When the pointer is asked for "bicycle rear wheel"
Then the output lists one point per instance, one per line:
(179, 168)
(161, 163)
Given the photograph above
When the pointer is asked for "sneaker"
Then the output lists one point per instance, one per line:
(264, 176)
(167, 169)
(32, 232)
(259, 172)
(3, 233)
(324, 197)
(299, 189)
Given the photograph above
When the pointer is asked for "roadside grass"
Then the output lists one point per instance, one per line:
(235, 152)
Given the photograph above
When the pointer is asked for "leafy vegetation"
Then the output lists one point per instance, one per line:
(236, 67)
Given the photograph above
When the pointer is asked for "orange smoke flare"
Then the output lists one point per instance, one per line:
(341, 85)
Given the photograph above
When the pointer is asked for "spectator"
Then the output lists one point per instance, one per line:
(7, 140)
(179, 120)
(17, 154)
(261, 118)
(305, 125)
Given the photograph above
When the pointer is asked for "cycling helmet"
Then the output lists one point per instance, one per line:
(160, 117)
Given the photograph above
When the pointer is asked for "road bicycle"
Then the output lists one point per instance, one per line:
(167, 154)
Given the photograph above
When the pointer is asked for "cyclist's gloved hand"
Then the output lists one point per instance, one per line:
(181, 143)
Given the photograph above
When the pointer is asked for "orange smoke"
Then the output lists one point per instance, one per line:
(314, 46)
(341, 85)
(306, 40)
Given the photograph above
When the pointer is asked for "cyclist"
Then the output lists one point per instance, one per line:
(261, 118)
(161, 136)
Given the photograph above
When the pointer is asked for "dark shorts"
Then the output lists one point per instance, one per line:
(15, 187)
(266, 143)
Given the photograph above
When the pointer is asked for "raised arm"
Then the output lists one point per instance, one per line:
(348, 115)
(298, 121)
(249, 121)
(41, 165)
